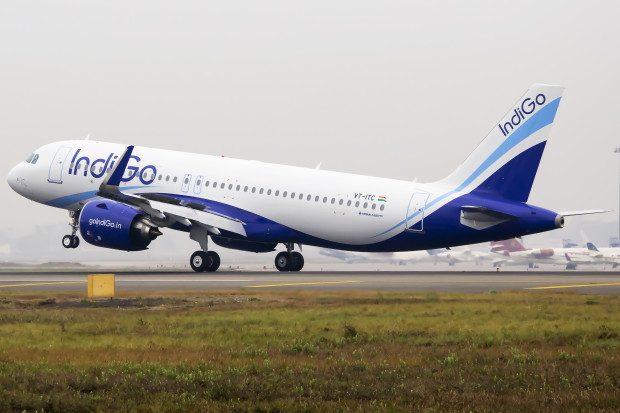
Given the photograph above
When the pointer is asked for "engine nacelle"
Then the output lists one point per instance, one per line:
(111, 224)
(237, 244)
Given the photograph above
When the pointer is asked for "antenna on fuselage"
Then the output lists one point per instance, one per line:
(87, 137)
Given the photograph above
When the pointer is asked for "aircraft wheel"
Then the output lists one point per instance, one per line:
(200, 261)
(284, 261)
(299, 261)
(75, 241)
(67, 241)
(215, 261)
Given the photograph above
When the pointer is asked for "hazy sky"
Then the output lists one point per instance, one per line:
(398, 89)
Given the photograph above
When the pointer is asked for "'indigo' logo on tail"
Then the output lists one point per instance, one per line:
(527, 107)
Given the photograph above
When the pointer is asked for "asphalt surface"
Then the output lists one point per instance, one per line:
(602, 282)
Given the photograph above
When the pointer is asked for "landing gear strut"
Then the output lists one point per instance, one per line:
(289, 260)
(203, 260)
(72, 241)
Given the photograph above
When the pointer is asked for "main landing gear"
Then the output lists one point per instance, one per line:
(289, 260)
(72, 241)
(203, 260)
(208, 261)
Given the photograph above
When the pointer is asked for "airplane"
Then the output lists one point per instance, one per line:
(450, 256)
(512, 252)
(121, 196)
(596, 255)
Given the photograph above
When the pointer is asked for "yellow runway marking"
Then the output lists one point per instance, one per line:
(570, 286)
(324, 282)
(60, 282)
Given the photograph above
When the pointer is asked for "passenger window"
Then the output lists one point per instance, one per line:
(238, 187)
(324, 199)
(277, 192)
(223, 185)
(333, 200)
(316, 198)
(229, 186)
(309, 197)
(301, 196)
(174, 179)
(365, 205)
(261, 191)
(357, 203)
(340, 202)
(382, 207)
(245, 189)
(349, 202)
(198, 182)
(269, 192)
(284, 194)
(253, 189)
(158, 178)
(374, 206)
(167, 178)
(207, 184)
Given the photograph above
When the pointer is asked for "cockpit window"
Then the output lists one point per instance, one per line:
(33, 158)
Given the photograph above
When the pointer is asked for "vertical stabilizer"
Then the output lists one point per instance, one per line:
(506, 161)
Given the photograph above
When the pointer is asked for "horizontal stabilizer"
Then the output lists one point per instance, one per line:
(585, 212)
(481, 218)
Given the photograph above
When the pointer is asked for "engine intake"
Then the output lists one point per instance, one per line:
(114, 225)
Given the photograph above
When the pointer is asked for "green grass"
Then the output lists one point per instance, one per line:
(302, 351)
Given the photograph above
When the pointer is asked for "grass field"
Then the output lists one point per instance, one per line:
(302, 351)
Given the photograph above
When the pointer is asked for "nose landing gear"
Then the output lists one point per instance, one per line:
(72, 241)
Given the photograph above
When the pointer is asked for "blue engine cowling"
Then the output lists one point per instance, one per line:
(112, 224)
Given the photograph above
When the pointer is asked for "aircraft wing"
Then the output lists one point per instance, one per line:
(166, 210)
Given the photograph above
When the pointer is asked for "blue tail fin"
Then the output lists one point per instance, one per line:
(506, 162)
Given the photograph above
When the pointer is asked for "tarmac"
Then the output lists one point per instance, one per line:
(585, 282)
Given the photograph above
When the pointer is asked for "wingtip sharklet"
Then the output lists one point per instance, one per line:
(113, 180)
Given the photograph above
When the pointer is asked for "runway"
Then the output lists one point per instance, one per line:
(421, 281)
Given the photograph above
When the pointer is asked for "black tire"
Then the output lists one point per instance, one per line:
(67, 241)
(200, 261)
(75, 242)
(215, 261)
(299, 261)
(284, 261)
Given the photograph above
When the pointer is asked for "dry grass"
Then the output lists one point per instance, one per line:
(266, 351)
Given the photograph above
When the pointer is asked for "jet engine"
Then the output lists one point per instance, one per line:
(112, 224)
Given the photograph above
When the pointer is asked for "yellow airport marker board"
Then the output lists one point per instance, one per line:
(100, 286)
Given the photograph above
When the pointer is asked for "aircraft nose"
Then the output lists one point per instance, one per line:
(16, 181)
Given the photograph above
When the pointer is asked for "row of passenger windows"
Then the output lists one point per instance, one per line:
(262, 191)
(292, 195)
